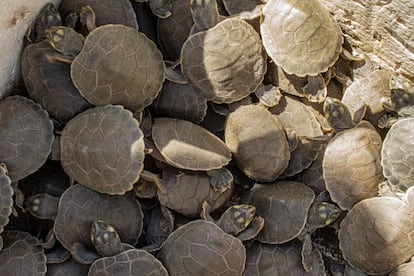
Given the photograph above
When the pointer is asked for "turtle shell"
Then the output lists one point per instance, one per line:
(188, 146)
(258, 142)
(352, 165)
(118, 65)
(21, 255)
(49, 83)
(130, 262)
(6, 200)
(26, 135)
(284, 259)
(225, 63)
(403, 270)
(202, 248)
(376, 235)
(397, 154)
(284, 205)
(302, 37)
(186, 191)
(106, 11)
(103, 149)
(79, 207)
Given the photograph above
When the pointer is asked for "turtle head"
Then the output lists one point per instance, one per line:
(338, 114)
(322, 214)
(205, 14)
(105, 238)
(400, 99)
(65, 40)
(237, 218)
(48, 16)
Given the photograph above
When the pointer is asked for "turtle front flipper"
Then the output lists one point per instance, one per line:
(315, 90)
(306, 252)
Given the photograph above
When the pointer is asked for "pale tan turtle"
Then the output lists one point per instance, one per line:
(21, 255)
(258, 142)
(26, 134)
(224, 61)
(107, 11)
(291, 211)
(114, 64)
(103, 148)
(188, 146)
(376, 235)
(80, 207)
(284, 259)
(300, 36)
(203, 247)
(352, 160)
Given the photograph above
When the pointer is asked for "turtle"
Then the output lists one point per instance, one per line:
(114, 161)
(213, 60)
(280, 259)
(185, 191)
(258, 142)
(303, 39)
(298, 117)
(396, 153)
(376, 234)
(174, 30)
(179, 101)
(21, 255)
(6, 199)
(160, 8)
(352, 159)
(107, 11)
(114, 64)
(291, 211)
(26, 132)
(188, 146)
(80, 207)
(202, 247)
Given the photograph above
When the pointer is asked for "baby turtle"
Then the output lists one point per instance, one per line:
(80, 207)
(107, 11)
(258, 142)
(376, 235)
(203, 248)
(352, 160)
(291, 211)
(26, 132)
(224, 61)
(188, 146)
(103, 148)
(6, 199)
(114, 64)
(397, 150)
(21, 255)
(300, 36)
(283, 259)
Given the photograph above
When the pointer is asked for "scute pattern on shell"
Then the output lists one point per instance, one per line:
(397, 154)
(377, 235)
(22, 255)
(258, 142)
(352, 165)
(300, 36)
(118, 65)
(128, 263)
(225, 63)
(188, 146)
(6, 199)
(103, 149)
(80, 206)
(202, 248)
(284, 206)
(26, 135)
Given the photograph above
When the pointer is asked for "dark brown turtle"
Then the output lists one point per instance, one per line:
(108, 49)
(26, 132)
(21, 255)
(80, 207)
(103, 148)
